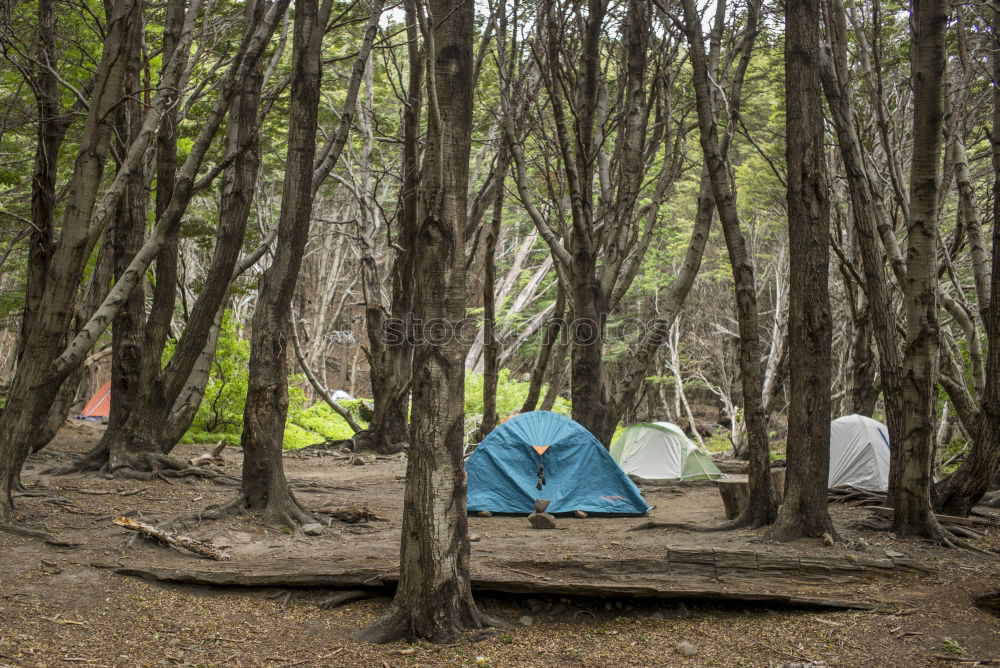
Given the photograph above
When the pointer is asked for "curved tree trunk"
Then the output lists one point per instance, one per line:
(869, 213)
(34, 388)
(959, 492)
(391, 355)
(763, 504)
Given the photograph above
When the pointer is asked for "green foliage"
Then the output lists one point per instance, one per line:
(510, 395)
(220, 416)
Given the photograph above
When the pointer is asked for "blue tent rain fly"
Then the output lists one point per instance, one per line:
(542, 448)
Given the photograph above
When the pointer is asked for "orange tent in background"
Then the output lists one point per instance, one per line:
(99, 405)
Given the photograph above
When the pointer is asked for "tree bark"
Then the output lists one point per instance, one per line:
(911, 500)
(803, 512)
(434, 597)
(33, 391)
(265, 488)
(960, 492)
(390, 351)
(763, 504)
(870, 215)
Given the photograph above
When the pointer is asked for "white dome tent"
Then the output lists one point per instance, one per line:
(859, 453)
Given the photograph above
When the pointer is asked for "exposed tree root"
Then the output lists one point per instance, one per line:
(399, 623)
(745, 520)
(791, 527)
(284, 512)
(344, 597)
(27, 533)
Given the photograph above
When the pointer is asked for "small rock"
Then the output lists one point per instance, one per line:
(542, 521)
(894, 555)
(526, 620)
(686, 649)
(828, 540)
(312, 529)
(580, 514)
(358, 461)
(485, 513)
(474, 538)
(541, 505)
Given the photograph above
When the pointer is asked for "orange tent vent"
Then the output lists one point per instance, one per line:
(540, 449)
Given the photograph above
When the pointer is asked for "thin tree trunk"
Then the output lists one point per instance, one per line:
(434, 596)
(391, 354)
(869, 216)
(803, 512)
(549, 338)
(763, 505)
(491, 347)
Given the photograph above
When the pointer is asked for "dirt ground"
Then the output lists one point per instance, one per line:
(56, 609)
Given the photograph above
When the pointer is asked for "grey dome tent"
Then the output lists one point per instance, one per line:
(661, 451)
(859, 453)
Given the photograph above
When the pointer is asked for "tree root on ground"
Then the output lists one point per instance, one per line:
(7, 527)
(398, 623)
(743, 521)
(287, 513)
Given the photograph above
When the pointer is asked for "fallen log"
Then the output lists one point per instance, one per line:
(363, 578)
(172, 539)
(698, 574)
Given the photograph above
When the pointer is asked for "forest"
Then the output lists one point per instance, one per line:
(361, 298)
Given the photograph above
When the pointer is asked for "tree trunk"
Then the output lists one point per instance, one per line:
(869, 215)
(389, 340)
(434, 597)
(763, 505)
(911, 500)
(960, 492)
(803, 512)
(51, 131)
(265, 488)
(549, 337)
(128, 232)
(33, 390)
(491, 347)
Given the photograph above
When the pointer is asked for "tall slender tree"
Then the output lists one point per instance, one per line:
(803, 512)
(265, 488)
(912, 500)
(763, 503)
(434, 596)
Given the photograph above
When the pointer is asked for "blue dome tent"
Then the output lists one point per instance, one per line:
(574, 470)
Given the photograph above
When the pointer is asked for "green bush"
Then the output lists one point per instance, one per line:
(220, 416)
(510, 395)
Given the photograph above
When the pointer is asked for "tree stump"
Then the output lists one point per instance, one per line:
(736, 493)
